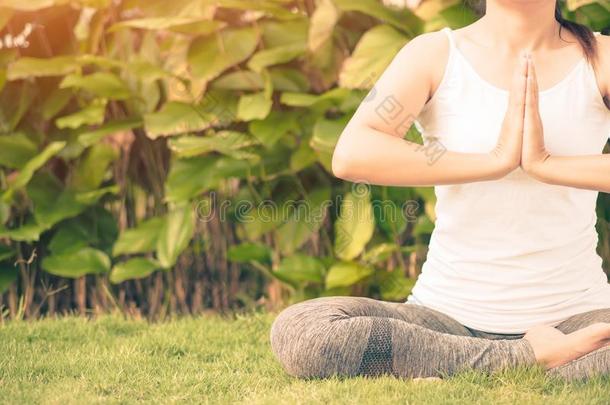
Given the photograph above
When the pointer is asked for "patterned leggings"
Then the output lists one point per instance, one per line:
(348, 336)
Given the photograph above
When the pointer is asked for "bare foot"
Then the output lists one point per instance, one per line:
(554, 348)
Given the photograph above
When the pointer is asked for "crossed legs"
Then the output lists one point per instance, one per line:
(350, 336)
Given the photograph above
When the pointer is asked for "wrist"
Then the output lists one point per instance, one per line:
(536, 167)
(500, 165)
(505, 162)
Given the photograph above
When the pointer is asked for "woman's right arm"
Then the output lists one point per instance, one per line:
(371, 148)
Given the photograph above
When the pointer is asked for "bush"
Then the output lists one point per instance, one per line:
(174, 156)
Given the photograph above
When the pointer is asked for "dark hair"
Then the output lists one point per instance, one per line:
(583, 34)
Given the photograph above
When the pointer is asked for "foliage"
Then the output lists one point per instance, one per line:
(172, 156)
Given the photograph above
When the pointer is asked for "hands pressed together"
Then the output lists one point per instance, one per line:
(521, 141)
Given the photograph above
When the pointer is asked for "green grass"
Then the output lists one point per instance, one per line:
(219, 360)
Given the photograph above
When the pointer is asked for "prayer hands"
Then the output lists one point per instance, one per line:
(521, 141)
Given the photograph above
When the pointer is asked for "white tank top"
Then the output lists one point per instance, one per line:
(509, 254)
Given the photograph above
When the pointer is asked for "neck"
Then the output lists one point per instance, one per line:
(521, 25)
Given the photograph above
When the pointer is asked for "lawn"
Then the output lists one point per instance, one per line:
(217, 359)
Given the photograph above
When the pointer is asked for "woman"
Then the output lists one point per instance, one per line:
(519, 102)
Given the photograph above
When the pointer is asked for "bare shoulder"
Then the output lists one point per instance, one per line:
(603, 52)
(430, 52)
(408, 82)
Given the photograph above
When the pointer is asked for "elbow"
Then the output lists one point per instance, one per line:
(339, 164)
(347, 161)
(342, 164)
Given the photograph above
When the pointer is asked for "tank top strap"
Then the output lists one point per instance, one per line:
(451, 74)
(449, 32)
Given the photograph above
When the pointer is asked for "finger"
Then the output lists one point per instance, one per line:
(519, 86)
(531, 69)
(531, 99)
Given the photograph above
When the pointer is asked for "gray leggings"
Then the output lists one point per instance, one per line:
(349, 336)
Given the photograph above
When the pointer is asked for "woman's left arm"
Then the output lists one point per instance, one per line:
(586, 171)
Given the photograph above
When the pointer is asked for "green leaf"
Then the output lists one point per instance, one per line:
(394, 285)
(8, 275)
(303, 157)
(596, 15)
(380, 252)
(100, 226)
(211, 55)
(50, 201)
(91, 168)
(185, 25)
(244, 80)
(575, 4)
(27, 67)
(305, 218)
(246, 252)
(355, 225)
(403, 19)
(288, 79)
(192, 176)
(424, 226)
(138, 267)
(271, 8)
(101, 84)
(457, 16)
(92, 196)
(334, 96)
(376, 49)
(147, 72)
(275, 56)
(254, 106)
(325, 136)
(226, 142)
(299, 99)
(322, 24)
(346, 274)
(273, 127)
(141, 239)
(56, 102)
(176, 118)
(26, 173)
(90, 115)
(326, 133)
(16, 149)
(91, 137)
(300, 268)
(175, 235)
(64, 205)
(390, 216)
(5, 212)
(281, 33)
(6, 252)
(69, 238)
(29, 232)
(16, 100)
(77, 264)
